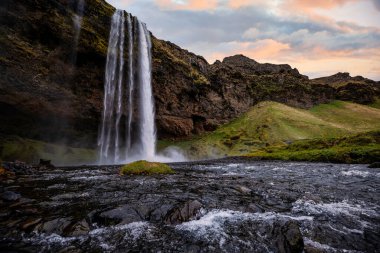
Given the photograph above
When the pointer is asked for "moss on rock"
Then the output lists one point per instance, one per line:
(145, 168)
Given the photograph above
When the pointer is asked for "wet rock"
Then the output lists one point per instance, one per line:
(10, 196)
(254, 208)
(56, 226)
(18, 167)
(159, 213)
(311, 249)
(374, 165)
(288, 237)
(30, 223)
(243, 189)
(121, 215)
(46, 164)
(185, 212)
(70, 249)
(79, 228)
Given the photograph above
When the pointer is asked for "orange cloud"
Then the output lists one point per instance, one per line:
(312, 4)
(187, 4)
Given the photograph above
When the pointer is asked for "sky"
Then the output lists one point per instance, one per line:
(318, 37)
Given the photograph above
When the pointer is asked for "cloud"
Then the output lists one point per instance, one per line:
(322, 4)
(377, 4)
(261, 49)
(187, 4)
(271, 31)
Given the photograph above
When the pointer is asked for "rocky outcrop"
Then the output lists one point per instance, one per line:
(193, 97)
(358, 89)
(45, 95)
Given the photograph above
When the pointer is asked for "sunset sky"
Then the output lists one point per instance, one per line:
(319, 37)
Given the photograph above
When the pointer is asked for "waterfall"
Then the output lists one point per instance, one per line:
(147, 126)
(130, 84)
(113, 77)
(119, 89)
(125, 135)
(77, 19)
(119, 95)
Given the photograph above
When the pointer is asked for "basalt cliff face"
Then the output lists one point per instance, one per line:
(45, 95)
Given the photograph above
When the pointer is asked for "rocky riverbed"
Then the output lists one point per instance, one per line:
(216, 206)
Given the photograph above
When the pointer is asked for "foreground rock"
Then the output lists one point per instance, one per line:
(211, 206)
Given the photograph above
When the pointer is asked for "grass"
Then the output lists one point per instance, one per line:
(145, 168)
(27, 150)
(271, 124)
(361, 148)
(376, 104)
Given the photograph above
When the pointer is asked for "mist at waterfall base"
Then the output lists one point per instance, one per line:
(127, 131)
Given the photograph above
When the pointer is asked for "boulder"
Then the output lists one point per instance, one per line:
(184, 212)
(10, 196)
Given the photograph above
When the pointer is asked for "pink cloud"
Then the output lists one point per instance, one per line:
(317, 62)
(262, 49)
(312, 4)
(195, 5)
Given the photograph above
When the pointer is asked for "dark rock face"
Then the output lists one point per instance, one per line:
(46, 96)
(43, 94)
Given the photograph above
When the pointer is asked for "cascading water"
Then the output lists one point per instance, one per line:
(119, 118)
(130, 84)
(119, 90)
(148, 133)
(77, 19)
(113, 78)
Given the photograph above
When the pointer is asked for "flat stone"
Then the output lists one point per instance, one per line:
(121, 215)
(79, 228)
(56, 226)
(184, 212)
(29, 223)
(10, 196)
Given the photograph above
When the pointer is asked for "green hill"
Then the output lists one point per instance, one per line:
(274, 124)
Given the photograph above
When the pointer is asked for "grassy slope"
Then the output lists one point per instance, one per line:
(15, 148)
(274, 124)
(361, 148)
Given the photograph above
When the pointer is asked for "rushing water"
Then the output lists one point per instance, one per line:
(77, 20)
(109, 133)
(245, 207)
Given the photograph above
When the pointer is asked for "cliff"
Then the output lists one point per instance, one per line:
(46, 95)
